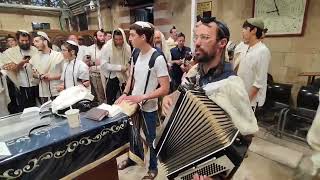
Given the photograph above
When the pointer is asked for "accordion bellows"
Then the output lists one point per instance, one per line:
(196, 129)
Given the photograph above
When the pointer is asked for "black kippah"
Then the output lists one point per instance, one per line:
(222, 27)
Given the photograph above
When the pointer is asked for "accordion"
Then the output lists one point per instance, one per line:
(199, 137)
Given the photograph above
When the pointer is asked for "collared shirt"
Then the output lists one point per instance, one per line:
(253, 70)
(222, 71)
(177, 54)
(73, 72)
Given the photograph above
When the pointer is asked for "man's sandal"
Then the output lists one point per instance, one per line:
(151, 175)
(124, 164)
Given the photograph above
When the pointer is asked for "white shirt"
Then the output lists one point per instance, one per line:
(95, 54)
(108, 68)
(82, 52)
(25, 73)
(253, 70)
(74, 71)
(140, 78)
(48, 89)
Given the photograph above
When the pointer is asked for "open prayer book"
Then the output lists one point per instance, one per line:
(113, 110)
(35, 111)
(124, 107)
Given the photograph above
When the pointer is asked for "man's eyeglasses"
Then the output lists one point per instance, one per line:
(202, 37)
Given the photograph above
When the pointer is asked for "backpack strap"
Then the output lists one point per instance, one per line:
(135, 54)
(152, 61)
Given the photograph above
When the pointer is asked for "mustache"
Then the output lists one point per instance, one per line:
(199, 48)
(24, 46)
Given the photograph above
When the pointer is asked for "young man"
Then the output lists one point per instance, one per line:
(115, 57)
(16, 61)
(75, 72)
(47, 66)
(171, 42)
(11, 41)
(146, 93)
(254, 62)
(94, 52)
(82, 50)
(108, 35)
(178, 54)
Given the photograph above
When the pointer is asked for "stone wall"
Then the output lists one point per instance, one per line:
(15, 21)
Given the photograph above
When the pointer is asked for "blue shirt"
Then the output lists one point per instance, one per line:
(223, 71)
(176, 54)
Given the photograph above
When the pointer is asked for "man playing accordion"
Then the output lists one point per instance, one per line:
(217, 78)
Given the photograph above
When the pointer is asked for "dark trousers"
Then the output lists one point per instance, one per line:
(148, 122)
(112, 90)
(29, 96)
(15, 104)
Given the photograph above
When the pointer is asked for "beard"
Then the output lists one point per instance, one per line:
(24, 46)
(205, 57)
(158, 45)
(100, 44)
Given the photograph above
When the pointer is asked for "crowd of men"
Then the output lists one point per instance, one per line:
(32, 72)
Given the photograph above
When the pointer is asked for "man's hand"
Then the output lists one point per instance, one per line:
(60, 87)
(10, 66)
(120, 99)
(46, 77)
(197, 177)
(35, 74)
(86, 83)
(23, 63)
(167, 102)
(185, 67)
(179, 62)
(124, 68)
(135, 99)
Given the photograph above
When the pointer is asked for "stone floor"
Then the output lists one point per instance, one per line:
(292, 164)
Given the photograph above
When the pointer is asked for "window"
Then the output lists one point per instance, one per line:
(40, 26)
(46, 3)
(142, 14)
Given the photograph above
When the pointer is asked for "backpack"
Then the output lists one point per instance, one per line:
(134, 56)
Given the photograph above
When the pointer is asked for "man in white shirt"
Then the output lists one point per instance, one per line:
(75, 72)
(16, 61)
(47, 66)
(94, 52)
(172, 40)
(146, 91)
(115, 57)
(254, 62)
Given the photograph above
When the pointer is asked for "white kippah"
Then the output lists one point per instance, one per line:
(72, 42)
(23, 31)
(143, 24)
(43, 34)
